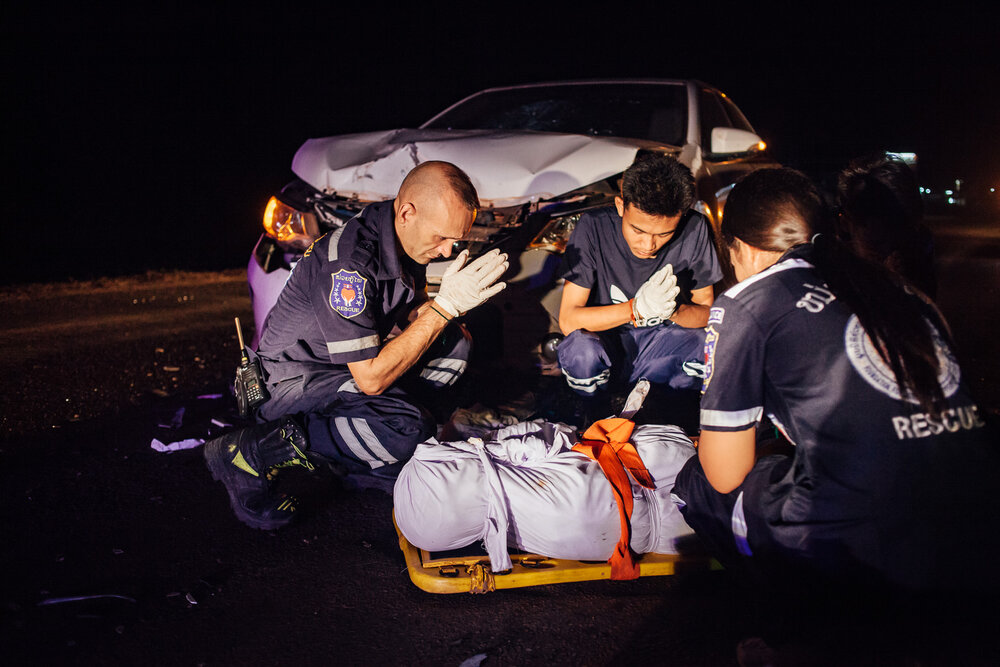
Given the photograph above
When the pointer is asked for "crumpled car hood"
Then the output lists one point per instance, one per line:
(507, 167)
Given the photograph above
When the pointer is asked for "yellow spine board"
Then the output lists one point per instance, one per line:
(472, 574)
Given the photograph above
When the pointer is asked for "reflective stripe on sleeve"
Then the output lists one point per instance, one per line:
(353, 345)
(724, 419)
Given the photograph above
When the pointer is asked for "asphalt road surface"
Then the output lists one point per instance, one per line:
(114, 553)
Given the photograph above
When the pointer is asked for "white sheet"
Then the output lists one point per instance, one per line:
(523, 486)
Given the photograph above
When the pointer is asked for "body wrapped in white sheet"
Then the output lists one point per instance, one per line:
(523, 486)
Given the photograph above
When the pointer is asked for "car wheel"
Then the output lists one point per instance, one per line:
(549, 345)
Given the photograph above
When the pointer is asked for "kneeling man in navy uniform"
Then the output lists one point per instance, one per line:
(352, 336)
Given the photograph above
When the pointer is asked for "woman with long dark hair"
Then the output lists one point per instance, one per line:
(881, 219)
(893, 477)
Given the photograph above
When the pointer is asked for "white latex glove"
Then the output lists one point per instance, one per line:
(462, 289)
(656, 299)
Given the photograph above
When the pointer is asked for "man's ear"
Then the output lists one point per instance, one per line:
(620, 205)
(405, 213)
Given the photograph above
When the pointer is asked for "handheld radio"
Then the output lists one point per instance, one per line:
(249, 386)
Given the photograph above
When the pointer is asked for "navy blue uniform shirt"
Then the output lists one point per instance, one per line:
(869, 464)
(598, 258)
(342, 299)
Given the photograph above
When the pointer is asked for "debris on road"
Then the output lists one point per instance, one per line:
(188, 443)
(474, 661)
(80, 598)
(176, 421)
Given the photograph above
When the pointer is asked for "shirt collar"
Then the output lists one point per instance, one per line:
(382, 216)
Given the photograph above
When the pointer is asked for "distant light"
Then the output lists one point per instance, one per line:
(948, 192)
(951, 200)
(921, 189)
(993, 189)
(928, 190)
(761, 146)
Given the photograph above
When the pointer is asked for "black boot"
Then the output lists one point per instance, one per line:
(245, 461)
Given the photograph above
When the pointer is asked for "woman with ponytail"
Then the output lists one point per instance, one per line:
(892, 478)
(881, 219)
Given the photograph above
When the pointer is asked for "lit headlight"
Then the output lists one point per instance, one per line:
(555, 234)
(293, 228)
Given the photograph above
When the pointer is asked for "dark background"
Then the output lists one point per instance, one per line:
(153, 139)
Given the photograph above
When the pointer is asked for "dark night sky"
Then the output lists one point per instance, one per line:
(153, 140)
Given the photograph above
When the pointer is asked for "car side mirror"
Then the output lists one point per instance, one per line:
(730, 141)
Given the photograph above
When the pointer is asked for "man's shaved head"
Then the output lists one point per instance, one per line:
(435, 207)
(438, 178)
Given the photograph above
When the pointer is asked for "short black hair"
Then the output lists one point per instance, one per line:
(658, 184)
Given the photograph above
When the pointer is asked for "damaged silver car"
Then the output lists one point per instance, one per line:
(539, 155)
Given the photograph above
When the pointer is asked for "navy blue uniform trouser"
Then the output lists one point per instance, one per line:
(664, 354)
(364, 432)
(954, 533)
(731, 534)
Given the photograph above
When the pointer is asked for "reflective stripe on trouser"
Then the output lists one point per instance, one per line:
(588, 385)
(709, 513)
(369, 432)
(345, 425)
(664, 354)
(730, 524)
(584, 360)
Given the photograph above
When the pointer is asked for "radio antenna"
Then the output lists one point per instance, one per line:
(239, 336)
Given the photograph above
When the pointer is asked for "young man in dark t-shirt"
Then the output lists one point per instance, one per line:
(639, 280)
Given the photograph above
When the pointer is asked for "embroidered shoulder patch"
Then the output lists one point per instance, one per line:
(711, 338)
(716, 314)
(347, 294)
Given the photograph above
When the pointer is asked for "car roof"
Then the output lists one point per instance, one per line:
(689, 83)
(584, 82)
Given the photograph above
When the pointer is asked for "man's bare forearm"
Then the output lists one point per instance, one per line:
(691, 315)
(396, 357)
(595, 318)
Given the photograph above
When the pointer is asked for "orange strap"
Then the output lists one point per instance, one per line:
(607, 442)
